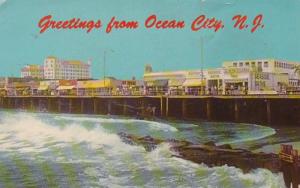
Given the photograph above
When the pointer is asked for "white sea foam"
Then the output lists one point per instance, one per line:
(119, 164)
(152, 124)
(25, 129)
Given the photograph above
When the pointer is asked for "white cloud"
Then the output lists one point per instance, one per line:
(2, 2)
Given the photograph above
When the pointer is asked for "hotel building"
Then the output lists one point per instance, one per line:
(55, 68)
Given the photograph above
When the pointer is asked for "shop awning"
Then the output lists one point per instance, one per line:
(175, 83)
(157, 83)
(65, 87)
(94, 84)
(41, 88)
(193, 83)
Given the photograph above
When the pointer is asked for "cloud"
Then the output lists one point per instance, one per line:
(2, 2)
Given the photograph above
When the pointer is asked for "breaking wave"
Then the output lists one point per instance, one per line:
(38, 147)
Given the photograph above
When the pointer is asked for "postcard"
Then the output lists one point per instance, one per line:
(148, 93)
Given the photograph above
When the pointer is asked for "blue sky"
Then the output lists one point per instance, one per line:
(21, 43)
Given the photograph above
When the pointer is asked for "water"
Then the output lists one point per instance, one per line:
(59, 150)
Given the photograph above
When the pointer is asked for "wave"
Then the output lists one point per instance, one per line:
(255, 132)
(101, 158)
(152, 124)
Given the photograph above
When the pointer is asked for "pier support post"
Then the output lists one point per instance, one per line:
(208, 109)
(143, 109)
(23, 103)
(70, 105)
(161, 106)
(124, 107)
(184, 109)
(81, 105)
(269, 117)
(31, 104)
(95, 105)
(59, 104)
(167, 106)
(49, 104)
(16, 103)
(109, 106)
(40, 104)
(236, 111)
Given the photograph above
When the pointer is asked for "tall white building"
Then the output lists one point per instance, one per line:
(55, 68)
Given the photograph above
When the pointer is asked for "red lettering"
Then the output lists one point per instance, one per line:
(44, 23)
(58, 24)
(240, 21)
(152, 21)
(201, 22)
(257, 22)
(121, 25)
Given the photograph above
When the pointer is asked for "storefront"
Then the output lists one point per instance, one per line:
(96, 87)
(194, 86)
(67, 87)
(157, 87)
(18, 89)
(131, 87)
(175, 86)
(236, 86)
(215, 83)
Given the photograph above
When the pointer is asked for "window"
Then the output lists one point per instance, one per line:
(259, 64)
(240, 64)
(234, 64)
(252, 64)
(266, 64)
(247, 64)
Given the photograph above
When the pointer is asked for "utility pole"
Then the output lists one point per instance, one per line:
(104, 66)
(202, 64)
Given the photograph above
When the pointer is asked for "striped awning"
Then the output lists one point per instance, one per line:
(65, 87)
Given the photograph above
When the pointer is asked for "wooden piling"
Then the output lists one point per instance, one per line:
(236, 110)
(70, 105)
(184, 108)
(82, 106)
(95, 105)
(167, 106)
(40, 104)
(109, 106)
(124, 107)
(49, 104)
(268, 106)
(31, 104)
(161, 106)
(59, 101)
(208, 109)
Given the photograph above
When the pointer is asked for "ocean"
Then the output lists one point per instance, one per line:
(63, 150)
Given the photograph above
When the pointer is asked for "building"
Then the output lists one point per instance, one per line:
(55, 68)
(262, 76)
(175, 82)
(32, 71)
